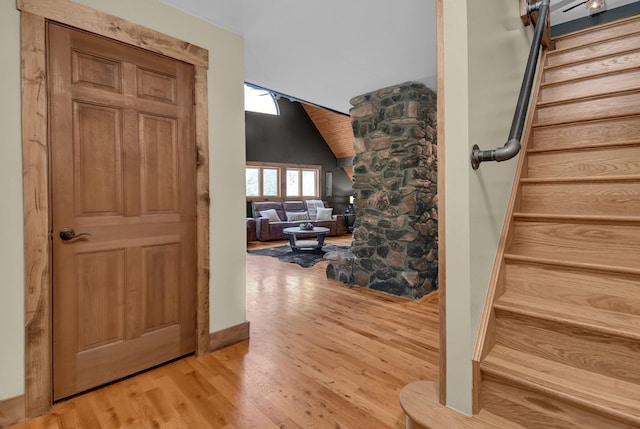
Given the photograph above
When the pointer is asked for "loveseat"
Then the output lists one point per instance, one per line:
(291, 214)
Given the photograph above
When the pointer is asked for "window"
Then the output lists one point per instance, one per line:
(282, 181)
(259, 100)
(270, 182)
(262, 181)
(302, 182)
(252, 178)
(293, 183)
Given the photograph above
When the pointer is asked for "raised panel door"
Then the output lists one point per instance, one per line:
(123, 178)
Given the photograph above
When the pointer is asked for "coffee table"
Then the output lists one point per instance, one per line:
(306, 237)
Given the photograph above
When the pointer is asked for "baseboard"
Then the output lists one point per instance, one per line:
(12, 411)
(226, 337)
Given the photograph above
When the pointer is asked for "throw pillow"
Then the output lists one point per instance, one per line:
(291, 216)
(324, 214)
(272, 214)
(313, 205)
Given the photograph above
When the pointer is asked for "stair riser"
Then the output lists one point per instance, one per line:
(596, 199)
(606, 107)
(600, 162)
(608, 47)
(603, 291)
(572, 346)
(535, 410)
(588, 37)
(615, 245)
(584, 69)
(594, 86)
(618, 130)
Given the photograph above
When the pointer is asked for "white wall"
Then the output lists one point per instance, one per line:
(227, 159)
(485, 52)
(497, 61)
(457, 172)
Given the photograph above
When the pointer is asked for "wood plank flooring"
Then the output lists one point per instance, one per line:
(321, 355)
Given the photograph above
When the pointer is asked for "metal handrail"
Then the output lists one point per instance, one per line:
(512, 147)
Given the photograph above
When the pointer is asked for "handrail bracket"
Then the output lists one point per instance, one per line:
(512, 146)
(533, 6)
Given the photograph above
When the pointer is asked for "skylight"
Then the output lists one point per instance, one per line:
(259, 100)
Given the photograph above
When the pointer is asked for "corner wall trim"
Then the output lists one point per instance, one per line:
(442, 247)
(228, 336)
(12, 410)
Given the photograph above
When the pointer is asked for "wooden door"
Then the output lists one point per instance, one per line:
(122, 171)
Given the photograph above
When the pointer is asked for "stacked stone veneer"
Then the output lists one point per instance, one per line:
(395, 240)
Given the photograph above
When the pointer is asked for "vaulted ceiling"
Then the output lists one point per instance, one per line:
(337, 131)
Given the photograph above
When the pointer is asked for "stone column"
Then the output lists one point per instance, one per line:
(395, 240)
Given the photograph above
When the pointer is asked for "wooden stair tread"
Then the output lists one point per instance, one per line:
(602, 290)
(585, 147)
(605, 85)
(618, 178)
(578, 218)
(618, 45)
(607, 322)
(606, 106)
(570, 264)
(590, 34)
(618, 129)
(419, 400)
(605, 63)
(601, 394)
(615, 201)
(588, 78)
(599, 44)
(593, 162)
(581, 97)
(616, 245)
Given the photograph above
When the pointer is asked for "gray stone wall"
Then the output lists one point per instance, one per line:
(395, 240)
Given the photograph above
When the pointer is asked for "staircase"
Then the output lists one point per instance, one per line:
(560, 340)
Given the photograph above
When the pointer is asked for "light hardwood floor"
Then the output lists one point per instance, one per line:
(321, 355)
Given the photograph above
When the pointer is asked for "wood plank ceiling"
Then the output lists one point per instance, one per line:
(336, 130)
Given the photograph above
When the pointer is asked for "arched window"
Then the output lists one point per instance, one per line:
(259, 100)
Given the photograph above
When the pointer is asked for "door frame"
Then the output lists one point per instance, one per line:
(36, 182)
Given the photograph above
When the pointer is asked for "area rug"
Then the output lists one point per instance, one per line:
(304, 258)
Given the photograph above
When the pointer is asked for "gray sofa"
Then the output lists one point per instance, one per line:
(267, 230)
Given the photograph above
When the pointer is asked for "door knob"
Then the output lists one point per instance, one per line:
(67, 234)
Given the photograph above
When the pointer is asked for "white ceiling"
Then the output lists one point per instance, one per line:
(326, 52)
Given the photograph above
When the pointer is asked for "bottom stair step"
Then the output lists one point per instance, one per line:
(419, 400)
(537, 393)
